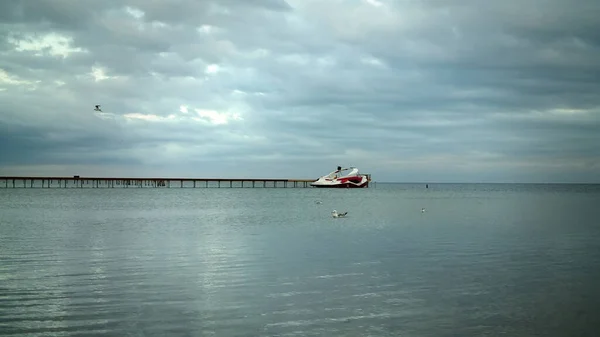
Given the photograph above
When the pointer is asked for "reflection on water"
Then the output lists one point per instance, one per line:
(518, 260)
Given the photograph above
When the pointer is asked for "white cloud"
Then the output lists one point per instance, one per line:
(212, 69)
(372, 61)
(205, 29)
(149, 117)
(8, 81)
(215, 117)
(52, 43)
(98, 74)
(374, 3)
(134, 12)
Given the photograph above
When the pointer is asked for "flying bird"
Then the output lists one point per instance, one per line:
(335, 214)
(97, 108)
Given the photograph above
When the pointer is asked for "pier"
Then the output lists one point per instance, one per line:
(98, 182)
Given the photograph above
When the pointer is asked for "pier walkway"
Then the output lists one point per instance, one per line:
(97, 182)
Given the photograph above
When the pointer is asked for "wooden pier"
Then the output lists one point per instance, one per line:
(97, 182)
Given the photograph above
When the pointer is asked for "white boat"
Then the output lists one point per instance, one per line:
(343, 178)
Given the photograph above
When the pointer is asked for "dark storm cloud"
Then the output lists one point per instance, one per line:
(429, 90)
(27, 145)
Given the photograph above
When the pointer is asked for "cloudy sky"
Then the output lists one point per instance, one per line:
(408, 90)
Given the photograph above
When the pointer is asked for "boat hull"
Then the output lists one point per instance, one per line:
(341, 185)
(340, 179)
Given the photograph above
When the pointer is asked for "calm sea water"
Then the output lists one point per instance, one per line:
(482, 260)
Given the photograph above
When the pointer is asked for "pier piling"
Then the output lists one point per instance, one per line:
(105, 182)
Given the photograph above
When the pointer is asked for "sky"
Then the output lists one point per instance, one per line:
(408, 91)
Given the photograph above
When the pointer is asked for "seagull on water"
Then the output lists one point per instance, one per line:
(97, 108)
(335, 214)
(422, 210)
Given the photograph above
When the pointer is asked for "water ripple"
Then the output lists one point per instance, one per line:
(219, 263)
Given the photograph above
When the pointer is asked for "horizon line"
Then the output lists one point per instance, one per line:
(297, 179)
(495, 182)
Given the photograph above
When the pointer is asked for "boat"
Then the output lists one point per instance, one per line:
(343, 178)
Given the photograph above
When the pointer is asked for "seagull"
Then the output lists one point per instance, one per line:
(335, 214)
(318, 202)
(97, 108)
(422, 210)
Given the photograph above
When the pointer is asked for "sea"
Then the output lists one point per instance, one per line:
(448, 260)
